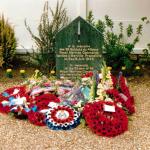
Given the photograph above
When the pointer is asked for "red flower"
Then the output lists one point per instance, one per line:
(88, 74)
(128, 103)
(36, 118)
(124, 88)
(5, 109)
(43, 100)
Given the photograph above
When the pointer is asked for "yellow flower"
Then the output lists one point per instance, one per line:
(109, 68)
(52, 72)
(9, 70)
(123, 68)
(137, 68)
(22, 71)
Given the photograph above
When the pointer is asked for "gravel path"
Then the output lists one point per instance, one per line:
(21, 135)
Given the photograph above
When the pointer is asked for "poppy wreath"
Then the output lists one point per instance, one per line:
(104, 123)
(4, 109)
(124, 88)
(10, 94)
(36, 118)
(43, 100)
(127, 102)
(62, 118)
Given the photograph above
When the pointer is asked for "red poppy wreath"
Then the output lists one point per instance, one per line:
(8, 97)
(103, 122)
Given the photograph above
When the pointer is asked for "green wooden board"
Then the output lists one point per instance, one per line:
(78, 49)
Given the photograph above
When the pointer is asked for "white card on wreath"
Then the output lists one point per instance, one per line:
(109, 108)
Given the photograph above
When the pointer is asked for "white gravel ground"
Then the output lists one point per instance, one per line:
(21, 135)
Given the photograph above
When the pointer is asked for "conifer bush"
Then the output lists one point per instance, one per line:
(8, 42)
(117, 48)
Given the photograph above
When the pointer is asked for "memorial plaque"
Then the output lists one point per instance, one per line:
(78, 49)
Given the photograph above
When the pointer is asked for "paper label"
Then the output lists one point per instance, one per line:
(52, 104)
(109, 108)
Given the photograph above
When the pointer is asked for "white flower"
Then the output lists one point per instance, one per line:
(100, 86)
(78, 104)
(100, 75)
(119, 104)
(100, 91)
(108, 99)
(85, 79)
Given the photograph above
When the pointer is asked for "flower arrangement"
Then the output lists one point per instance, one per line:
(105, 83)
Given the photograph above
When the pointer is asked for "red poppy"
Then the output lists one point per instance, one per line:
(36, 118)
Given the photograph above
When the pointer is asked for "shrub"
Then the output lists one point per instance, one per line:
(146, 58)
(44, 55)
(8, 42)
(116, 49)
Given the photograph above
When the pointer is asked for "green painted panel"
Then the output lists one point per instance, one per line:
(78, 49)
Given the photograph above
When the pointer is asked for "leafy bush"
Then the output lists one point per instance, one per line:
(8, 42)
(116, 49)
(44, 55)
(146, 58)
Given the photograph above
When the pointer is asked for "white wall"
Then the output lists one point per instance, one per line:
(128, 11)
(17, 10)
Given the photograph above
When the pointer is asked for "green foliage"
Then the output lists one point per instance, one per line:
(129, 30)
(44, 55)
(100, 25)
(147, 54)
(116, 49)
(8, 42)
(90, 18)
(109, 22)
